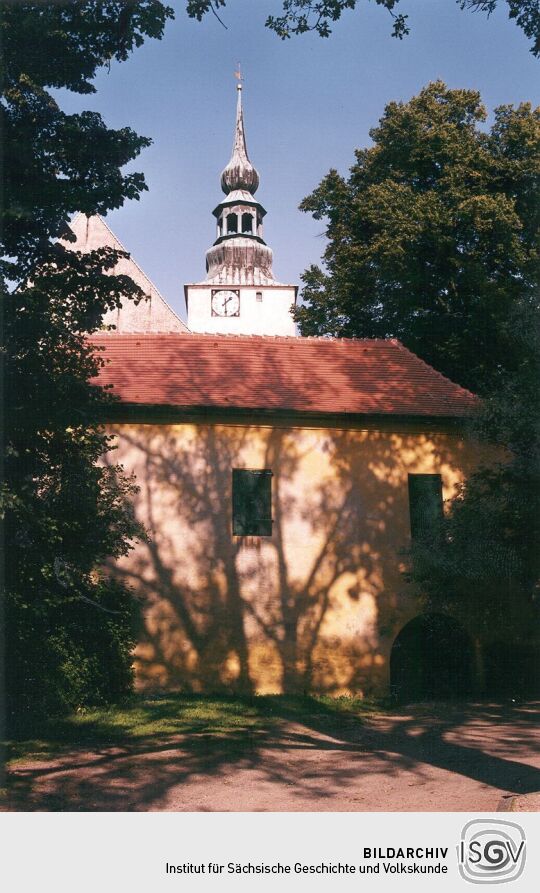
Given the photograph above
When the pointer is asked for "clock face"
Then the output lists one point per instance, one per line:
(225, 303)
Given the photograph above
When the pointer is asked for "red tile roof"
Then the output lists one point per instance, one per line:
(319, 375)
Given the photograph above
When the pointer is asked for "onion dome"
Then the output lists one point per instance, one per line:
(239, 173)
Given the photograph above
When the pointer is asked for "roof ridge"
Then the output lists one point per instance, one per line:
(297, 339)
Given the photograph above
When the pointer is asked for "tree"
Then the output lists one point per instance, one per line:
(69, 627)
(433, 238)
(488, 553)
(300, 16)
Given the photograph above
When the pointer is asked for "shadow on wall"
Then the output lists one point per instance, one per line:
(314, 607)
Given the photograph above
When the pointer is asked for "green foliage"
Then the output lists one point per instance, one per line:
(525, 12)
(66, 505)
(433, 238)
(301, 16)
(489, 553)
(68, 653)
(56, 164)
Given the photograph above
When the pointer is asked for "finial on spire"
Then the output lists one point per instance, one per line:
(239, 77)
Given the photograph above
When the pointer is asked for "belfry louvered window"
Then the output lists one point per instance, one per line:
(252, 502)
(425, 506)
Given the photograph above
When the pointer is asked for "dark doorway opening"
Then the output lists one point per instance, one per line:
(431, 660)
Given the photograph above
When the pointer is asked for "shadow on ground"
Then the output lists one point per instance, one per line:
(301, 746)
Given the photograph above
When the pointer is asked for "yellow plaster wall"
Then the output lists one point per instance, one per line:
(316, 606)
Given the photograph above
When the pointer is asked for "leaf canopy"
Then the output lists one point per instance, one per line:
(433, 237)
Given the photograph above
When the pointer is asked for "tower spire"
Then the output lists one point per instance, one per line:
(240, 294)
(239, 173)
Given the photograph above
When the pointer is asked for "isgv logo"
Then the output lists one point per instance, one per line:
(491, 851)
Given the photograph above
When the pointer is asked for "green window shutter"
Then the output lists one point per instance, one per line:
(425, 506)
(252, 502)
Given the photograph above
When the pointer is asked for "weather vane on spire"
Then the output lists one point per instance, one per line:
(238, 76)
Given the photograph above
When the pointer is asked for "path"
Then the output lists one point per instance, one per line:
(426, 758)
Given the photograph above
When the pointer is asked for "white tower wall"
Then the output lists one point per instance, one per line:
(268, 315)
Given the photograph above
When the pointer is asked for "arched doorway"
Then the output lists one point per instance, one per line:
(431, 659)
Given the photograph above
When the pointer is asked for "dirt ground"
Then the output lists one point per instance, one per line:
(424, 758)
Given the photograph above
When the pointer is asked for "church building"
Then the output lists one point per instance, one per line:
(281, 482)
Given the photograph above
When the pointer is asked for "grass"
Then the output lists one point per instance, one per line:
(162, 718)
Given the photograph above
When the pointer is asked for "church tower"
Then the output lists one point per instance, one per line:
(240, 294)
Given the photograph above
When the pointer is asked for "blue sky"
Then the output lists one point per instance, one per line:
(308, 103)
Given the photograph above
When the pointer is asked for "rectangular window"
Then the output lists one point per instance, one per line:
(425, 506)
(252, 502)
